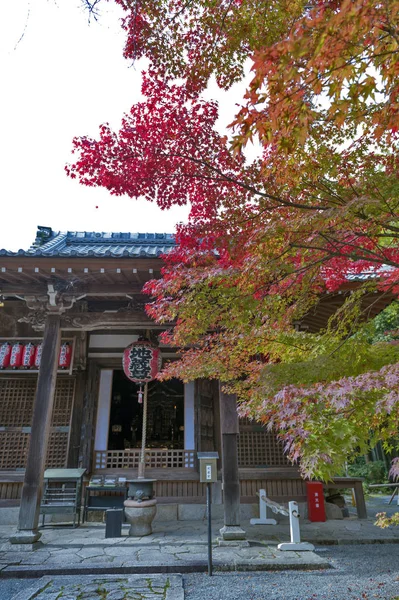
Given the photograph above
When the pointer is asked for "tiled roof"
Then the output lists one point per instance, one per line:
(88, 243)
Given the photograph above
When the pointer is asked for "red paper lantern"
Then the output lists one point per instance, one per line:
(16, 355)
(65, 357)
(28, 355)
(141, 361)
(38, 355)
(5, 355)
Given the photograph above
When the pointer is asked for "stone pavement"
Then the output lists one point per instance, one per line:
(178, 547)
(174, 547)
(181, 547)
(132, 587)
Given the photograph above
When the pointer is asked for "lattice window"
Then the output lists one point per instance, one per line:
(63, 402)
(16, 407)
(57, 450)
(260, 449)
(16, 402)
(14, 449)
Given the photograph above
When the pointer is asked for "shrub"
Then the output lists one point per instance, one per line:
(372, 472)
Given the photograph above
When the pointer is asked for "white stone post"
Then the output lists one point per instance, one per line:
(295, 544)
(263, 520)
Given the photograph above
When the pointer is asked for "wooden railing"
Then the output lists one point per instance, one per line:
(154, 459)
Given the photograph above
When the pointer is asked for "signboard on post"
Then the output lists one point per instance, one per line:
(208, 475)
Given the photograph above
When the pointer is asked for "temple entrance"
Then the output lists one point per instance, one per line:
(165, 414)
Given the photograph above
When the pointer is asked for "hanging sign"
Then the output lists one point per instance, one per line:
(141, 361)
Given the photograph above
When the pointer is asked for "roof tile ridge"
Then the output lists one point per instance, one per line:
(54, 244)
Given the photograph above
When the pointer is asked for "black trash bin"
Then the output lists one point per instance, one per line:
(113, 522)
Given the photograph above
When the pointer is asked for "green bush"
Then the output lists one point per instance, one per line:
(372, 472)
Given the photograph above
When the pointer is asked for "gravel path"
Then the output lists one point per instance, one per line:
(364, 572)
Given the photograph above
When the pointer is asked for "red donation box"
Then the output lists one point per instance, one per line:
(316, 510)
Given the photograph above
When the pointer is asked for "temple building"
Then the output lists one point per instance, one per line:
(69, 306)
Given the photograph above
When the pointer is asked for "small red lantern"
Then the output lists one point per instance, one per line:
(28, 356)
(5, 355)
(38, 355)
(65, 357)
(16, 355)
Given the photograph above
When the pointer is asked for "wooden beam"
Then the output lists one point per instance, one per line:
(27, 532)
(90, 289)
(142, 263)
(120, 320)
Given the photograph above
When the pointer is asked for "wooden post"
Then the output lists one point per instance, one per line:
(231, 484)
(359, 499)
(216, 420)
(76, 421)
(90, 401)
(27, 532)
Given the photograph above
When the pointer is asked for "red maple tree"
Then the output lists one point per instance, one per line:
(266, 238)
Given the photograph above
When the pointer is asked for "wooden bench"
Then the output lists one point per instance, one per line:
(354, 483)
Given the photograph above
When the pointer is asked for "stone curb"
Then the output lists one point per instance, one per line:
(26, 572)
(352, 542)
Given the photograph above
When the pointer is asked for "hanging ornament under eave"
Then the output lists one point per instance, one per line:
(16, 355)
(38, 355)
(5, 355)
(28, 355)
(65, 356)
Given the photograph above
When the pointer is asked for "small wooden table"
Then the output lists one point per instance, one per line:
(390, 485)
(355, 483)
(94, 502)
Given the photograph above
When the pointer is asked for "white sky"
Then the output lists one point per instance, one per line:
(62, 79)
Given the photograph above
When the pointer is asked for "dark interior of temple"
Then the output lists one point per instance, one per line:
(165, 414)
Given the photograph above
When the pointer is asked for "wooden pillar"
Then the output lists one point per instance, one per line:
(216, 421)
(90, 401)
(27, 532)
(231, 483)
(76, 421)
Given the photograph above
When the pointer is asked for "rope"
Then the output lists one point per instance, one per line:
(144, 434)
(276, 508)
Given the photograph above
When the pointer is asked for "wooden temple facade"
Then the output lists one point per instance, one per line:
(84, 290)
